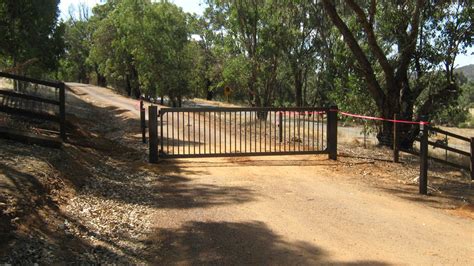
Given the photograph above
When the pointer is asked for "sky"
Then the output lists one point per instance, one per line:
(198, 6)
(190, 6)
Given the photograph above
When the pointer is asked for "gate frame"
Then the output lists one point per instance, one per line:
(156, 143)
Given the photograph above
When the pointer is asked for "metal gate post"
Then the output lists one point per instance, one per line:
(472, 158)
(62, 111)
(153, 134)
(143, 121)
(332, 132)
(423, 182)
(161, 115)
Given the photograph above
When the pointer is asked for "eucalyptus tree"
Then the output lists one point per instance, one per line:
(31, 39)
(110, 44)
(302, 25)
(389, 45)
(162, 54)
(253, 32)
(207, 42)
(74, 65)
(142, 45)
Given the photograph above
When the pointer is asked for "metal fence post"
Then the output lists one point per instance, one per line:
(472, 158)
(153, 133)
(143, 121)
(396, 138)
(161, 115)
(332, 132)
(62, 110)
(423, 182)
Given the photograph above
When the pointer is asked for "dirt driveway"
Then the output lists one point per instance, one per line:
(283, 210)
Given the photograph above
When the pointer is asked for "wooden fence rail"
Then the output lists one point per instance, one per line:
(61, 102)
(425, 143)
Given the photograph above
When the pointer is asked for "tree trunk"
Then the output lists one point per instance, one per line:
(136, 86)
(210, 93)
(101, 80)
(128, 88)
(403, 107)
(253, 95)
(298, 87)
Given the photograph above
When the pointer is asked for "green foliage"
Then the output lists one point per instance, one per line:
(254, 33)
(457, 113)
(283, 53)
(74, 65)
(235, 74)
(31, 38)
(161, 50)
(142, 47)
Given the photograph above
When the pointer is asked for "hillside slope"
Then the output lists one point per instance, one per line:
(467, 71)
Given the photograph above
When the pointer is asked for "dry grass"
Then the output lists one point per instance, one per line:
(6, 83)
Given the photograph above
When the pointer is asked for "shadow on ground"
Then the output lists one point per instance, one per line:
(100, 160)
(235, 243)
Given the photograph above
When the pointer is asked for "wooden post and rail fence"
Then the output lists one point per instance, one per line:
(425, 143)
(60, 117)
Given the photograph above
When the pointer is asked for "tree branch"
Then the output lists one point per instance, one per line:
(408, 51)
(372, 11)
(440, 98)
(373, 85)
(372, 41)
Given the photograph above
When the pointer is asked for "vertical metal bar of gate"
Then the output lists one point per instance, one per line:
(194, 133)
(240, 132)
(225, 132)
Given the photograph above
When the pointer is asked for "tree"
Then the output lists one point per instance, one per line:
(302, 40)
(78, 37)
(391, 30)
(163, 53)
(209, 55)
(143, 45)
(110, 50)
(31, 33)
(254, 32)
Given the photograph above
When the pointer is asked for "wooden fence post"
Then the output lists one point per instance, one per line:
(143, 121)
(396, 138)
(62, 110)
(423, 182)
(332, 132)
(153, 133)
(472, 158)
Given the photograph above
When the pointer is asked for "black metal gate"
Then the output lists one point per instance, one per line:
(226, 132)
